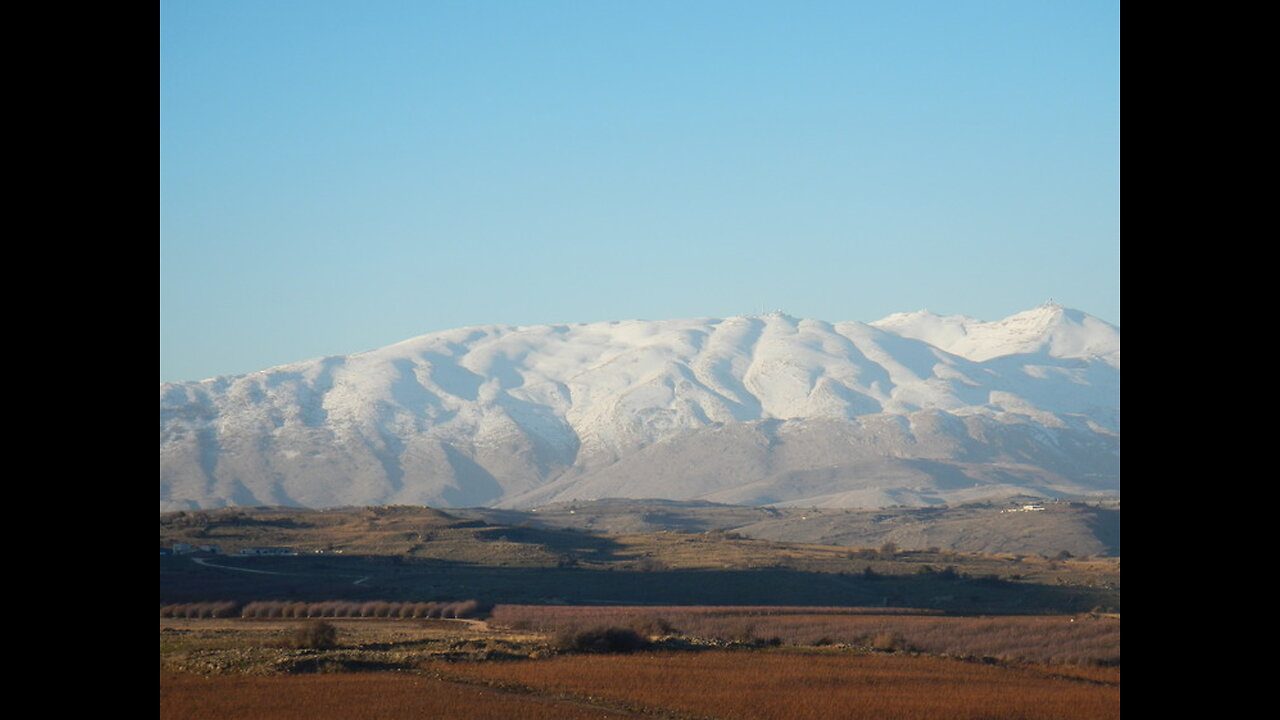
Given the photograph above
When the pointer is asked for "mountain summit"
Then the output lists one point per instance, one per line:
(1051, 328)
(913, 409)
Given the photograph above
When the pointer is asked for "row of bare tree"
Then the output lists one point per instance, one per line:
(326, 609)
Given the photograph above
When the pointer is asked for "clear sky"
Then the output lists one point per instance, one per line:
(336, 176)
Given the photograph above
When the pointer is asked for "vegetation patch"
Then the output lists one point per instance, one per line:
(599, 640)
(1083, 639)
(314, 635)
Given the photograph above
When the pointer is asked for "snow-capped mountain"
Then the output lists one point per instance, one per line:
(767, 409)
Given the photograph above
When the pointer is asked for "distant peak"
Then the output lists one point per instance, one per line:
(774, 315)
(1051, 308)
(1051, 314)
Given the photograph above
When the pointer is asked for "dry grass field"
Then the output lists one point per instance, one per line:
(699, 664)
(777, 685)
(1059, 639)
(355, 696)
(715, 685)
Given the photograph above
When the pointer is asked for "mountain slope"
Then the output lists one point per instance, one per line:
(913, 409)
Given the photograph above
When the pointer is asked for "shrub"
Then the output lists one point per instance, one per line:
(316, 635)
(888, 642)
(201, 610)
(599, 640)
(745, 633)
(224, 609)
(653, 625)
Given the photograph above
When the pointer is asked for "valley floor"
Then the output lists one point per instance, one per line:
(511, 667)
(719, 685)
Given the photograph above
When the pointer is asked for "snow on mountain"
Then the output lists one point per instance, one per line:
(1051, 328)
(912, 409)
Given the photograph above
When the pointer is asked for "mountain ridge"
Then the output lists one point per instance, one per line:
(507, 415)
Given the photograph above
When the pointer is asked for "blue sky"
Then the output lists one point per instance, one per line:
(339, 176)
